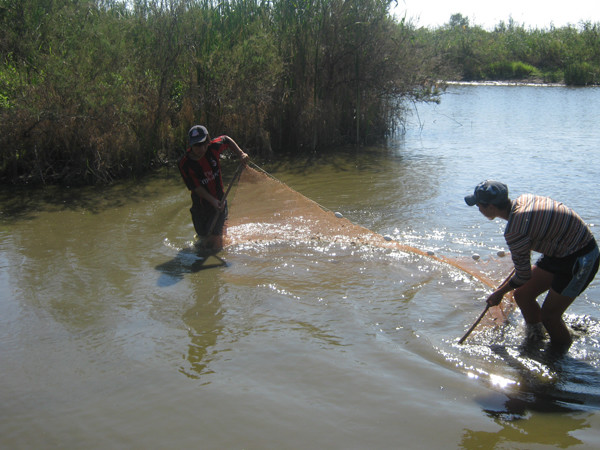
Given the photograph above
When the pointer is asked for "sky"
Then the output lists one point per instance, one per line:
(531, 13)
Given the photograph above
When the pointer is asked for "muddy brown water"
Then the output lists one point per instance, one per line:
(114, 333)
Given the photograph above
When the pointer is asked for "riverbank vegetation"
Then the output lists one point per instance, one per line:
(569, 55)
(92, 91)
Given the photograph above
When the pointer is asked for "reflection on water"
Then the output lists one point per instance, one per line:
(204, 319)
(535, 376)
(188, 260)
(115, 332)
(204, 324)
(533, 430)
(552, 388)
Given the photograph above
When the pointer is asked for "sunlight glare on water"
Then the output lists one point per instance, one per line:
(305, 332)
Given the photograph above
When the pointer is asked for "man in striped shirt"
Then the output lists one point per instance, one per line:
(569, 258)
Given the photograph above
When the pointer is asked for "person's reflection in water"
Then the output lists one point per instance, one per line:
(551, 380)
(523, 430)
(566, 394)
(185, 262)
(204, 322)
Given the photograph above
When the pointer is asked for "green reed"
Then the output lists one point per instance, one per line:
(95, 90)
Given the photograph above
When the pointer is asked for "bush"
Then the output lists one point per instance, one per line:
(553, 76)
(507, 70)
(581, 74)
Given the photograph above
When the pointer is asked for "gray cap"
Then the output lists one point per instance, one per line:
(488, 192)
(197, 134)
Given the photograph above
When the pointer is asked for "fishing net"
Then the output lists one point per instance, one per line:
(264, 209)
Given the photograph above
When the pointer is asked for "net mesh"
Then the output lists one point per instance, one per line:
(265, 209)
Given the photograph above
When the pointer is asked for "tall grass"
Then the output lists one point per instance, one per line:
(509, 70)
(91, 91)
(582, 74)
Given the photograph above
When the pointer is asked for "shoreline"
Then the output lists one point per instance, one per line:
(504, 83)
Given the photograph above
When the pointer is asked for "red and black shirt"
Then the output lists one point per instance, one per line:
(206, 171)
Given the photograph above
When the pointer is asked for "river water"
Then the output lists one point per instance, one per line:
(113, 333)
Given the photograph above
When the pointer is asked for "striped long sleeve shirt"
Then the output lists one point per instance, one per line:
(545, 226)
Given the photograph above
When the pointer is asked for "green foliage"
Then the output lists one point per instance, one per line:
(552, 76)
(582, 74)
(509, 70)
(95, 90)
(71, 121)
(511, 52)
(8, 84)
(92, 90)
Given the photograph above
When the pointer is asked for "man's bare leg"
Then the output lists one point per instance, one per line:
(552, 310)
(526, 295)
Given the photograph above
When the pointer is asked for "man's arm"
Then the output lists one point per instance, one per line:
(203, 193)
(496, 297)
(236, 148)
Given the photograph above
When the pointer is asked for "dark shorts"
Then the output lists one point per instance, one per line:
(573, 273)
(203, 218)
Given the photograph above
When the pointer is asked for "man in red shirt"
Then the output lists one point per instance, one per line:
(200, 169)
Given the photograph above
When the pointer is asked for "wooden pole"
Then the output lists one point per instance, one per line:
(462, 339)
(231, 183)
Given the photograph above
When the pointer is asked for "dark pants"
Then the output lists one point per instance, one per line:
(572, 273)
(203, 218)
